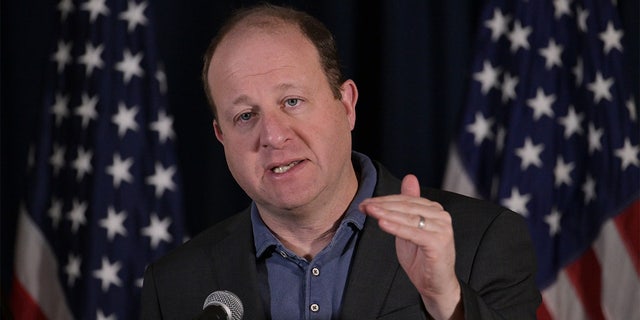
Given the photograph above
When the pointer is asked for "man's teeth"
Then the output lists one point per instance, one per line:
(283, 169)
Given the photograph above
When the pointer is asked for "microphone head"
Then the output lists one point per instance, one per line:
(228, 301)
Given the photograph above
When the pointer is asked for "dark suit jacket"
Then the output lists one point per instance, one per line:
(495, 264)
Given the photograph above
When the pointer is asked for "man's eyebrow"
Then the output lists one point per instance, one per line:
(242, 99)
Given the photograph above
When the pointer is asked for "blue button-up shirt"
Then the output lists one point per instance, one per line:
(294, 288)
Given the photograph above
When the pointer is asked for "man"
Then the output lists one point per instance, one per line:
(330, 234)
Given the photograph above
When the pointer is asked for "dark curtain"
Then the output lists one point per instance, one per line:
(410, 60)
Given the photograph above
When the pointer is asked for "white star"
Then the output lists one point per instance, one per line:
(509, 87)
(553, 220)
(95, 8)
(582, 19)
(578, 71)
(601, 88)
(500, 137)
(561, 7)
(125, 119)
(498, 24)
(120, 170)
(530, 154)
(60, 108)
(164, 126)
(57, 158)
(108, 274)
(82, 163)
(162, 80)
(65, 7)
(139, 282)
(518, 36)
(517, 202)
(488, 77)
(91, 58)
(162, 179)
(62, 56)
(72, 269)
(158, 230)
(611, 38)
(571, 122)
(481, 129)
(101, 316)
(87, 110)
(552, 54)
(628, 154)
(589, 189)
(77, 215)
(562, 172)
(631, 107)
(134, 15)
(595, 135)
(55, 212)
(541, 104)
(130, 65)
(114, 223)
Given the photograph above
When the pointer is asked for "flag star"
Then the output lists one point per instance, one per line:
(162, 80)
(57, 158)
(530, 154)
(601, 88)
(130, 65)
(108, 274)
(162, 179)
(77, 215)
(82, 163)
(134, 15)
(611, 38)
(164, 126)
(62, 56)
(95, 8)
(582, 18)
(561, 8)
(578, 71)
(562, 172)
(517, 202)
(139, 282)
(500, 137)
(101, 316)
(595, 135)
(91, 58)
(552, 54)
(571, 122)
(65, 7)
(628, 154)
(589, 189)
(120, 170)
(114, 223)
(541, 104)
(60, 108)
(125, 119)
(72, 269)
(481, 128)
(553, 220)
(518, 36)
(55, 212)
(87, 110)
(498, 24)
(509, 84)
(158, 230)
(631, 107)
(488, 77)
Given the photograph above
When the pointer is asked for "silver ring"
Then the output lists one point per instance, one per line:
(421, 223)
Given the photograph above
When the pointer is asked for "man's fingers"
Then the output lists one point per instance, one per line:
(410, 186)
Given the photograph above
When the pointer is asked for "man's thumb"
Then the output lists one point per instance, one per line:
(410, 186)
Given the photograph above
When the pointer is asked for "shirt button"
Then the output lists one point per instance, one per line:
(283, 254)
(315, 271)
(314, 307)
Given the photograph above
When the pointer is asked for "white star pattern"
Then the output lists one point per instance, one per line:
(553, 220)
(108, 274)
(72, 269)
(77, 215)
(589, 189)
(519, 36)
(552, 54)
(91, 58)
(631, 107)
(130, 65)
(611, 38)
(95, 8)
(582, 19)
(101, 316)
(595, 136)
(82, 163)
(60, 108)
(114, 223)
(578, 71)
(601, 88)
(164, 127)
(571, 123)
(87, 110)
(55, 212)
(158, 230)
(628, 154)
(562, 7)
(481, 128)
(125, 119)
(134, 15)
(541, 104)
(488, 77)
(509, 84)
(62, 56)
(162, 80)
(530, 154)
(65, 7)
(517, 202)
(162, 179)
(499, 24)
(562, 172)
(120, 170)
(57, 158)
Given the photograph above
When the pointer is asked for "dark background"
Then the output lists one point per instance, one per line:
(410, 60)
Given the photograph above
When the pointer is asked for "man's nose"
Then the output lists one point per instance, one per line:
(275, 130)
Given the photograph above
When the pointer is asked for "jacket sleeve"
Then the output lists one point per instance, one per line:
(150, 306)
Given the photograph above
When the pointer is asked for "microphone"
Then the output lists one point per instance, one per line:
(223, 305)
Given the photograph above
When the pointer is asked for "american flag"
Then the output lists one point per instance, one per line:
(550, 130)
(103, 198)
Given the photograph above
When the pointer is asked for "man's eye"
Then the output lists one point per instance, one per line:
(245, 116)
(292, 102)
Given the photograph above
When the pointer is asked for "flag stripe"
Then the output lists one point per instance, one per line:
(24, 304)
(561, 300)
(543, 313)
(585, 276)
(628, 224)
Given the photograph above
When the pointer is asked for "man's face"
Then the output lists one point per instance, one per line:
(287, 139)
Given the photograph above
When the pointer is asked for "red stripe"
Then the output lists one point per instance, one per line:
(22, 304)
(628, 225)
(585, 275)
(543, 312)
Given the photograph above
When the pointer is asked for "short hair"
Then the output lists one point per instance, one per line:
(269, 16)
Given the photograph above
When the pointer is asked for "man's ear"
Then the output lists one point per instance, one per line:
(349, 93)
(218, 131)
